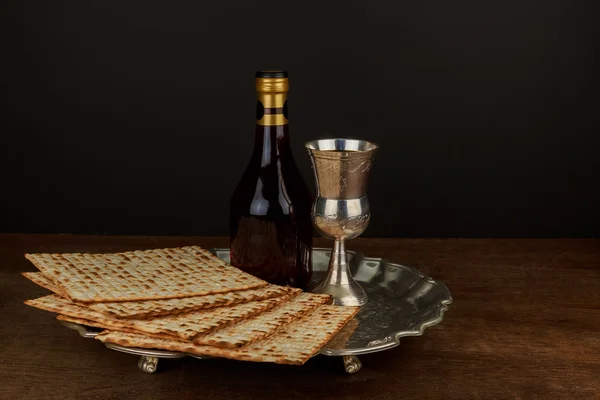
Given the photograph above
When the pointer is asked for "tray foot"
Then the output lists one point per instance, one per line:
(352, 364)
(148, 364)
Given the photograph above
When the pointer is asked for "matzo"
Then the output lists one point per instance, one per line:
(142, 275)
(264, 324)
(151, 308)
(41, 280)
(294, 344)
(95, 324)
(184, 326)
(341, 338)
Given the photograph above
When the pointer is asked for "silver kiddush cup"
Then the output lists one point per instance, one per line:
(341, 208)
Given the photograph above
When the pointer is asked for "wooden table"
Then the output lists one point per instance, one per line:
(525, 324)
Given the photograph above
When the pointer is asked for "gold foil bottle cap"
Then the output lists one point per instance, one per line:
(272, 81)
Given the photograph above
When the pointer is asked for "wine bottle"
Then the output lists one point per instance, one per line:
(270, 225)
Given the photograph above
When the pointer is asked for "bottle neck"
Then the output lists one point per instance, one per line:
(271, 142)
(271, 109)
(272, 129)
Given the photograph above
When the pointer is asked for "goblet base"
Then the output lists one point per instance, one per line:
(339, 282)
(351, 294)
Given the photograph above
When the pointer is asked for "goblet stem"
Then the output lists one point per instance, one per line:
(338, 271)
(339, 282)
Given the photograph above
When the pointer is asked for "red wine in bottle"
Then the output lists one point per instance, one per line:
(270, 225)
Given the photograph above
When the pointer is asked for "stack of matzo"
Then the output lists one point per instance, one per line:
(186, 299)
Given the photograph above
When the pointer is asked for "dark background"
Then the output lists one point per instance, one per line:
(125, 117)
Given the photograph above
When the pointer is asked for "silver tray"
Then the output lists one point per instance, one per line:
(402, 302)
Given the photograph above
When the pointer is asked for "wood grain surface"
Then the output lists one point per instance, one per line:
(525, 324)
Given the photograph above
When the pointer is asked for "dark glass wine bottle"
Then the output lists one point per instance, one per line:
(270, 226)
